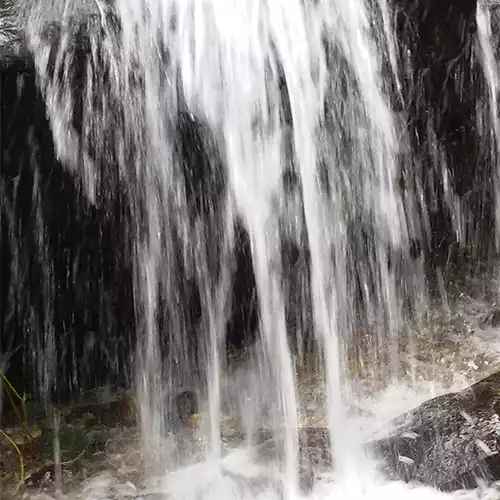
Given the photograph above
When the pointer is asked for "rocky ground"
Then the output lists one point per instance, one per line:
(69, 445)
(456, 345)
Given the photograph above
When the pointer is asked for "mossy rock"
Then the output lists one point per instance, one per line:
(72, 441)
(121, 411)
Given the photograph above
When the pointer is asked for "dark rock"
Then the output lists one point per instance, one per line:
(42, 478)
(449, 442)
(151, 496)
(89, 247)
(87, 296)
(120, 411)
(441, 29)
(313, 444)
(185, 406)
(491, 320)
(93, 305)
(314, 452)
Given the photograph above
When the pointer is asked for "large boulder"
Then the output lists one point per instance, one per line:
(449, 442)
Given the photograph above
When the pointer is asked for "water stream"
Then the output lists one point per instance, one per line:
(292, 103)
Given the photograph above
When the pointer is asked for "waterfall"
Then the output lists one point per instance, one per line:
(486, 17)
(281, 88)
(278, 122)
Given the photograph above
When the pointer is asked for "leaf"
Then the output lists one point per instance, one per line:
(19, 438)
(194, 420)
(36, 432)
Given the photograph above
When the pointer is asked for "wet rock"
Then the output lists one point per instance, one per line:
(121, 410)
(314, 445)
(314, 452)
(443, 28)
(151, 496)
(185, 406)
(93, 309)
(491, 320)
(449, 442)
(42, 478)
(102, 283)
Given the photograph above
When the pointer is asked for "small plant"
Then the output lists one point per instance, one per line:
(22, 417)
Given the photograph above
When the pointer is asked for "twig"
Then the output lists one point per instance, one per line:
(73, 460)
(11, 387)
(23, 421)
(19, 454)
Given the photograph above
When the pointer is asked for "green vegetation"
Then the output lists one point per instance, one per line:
(33, 444)
(4, 4)
(22, 417)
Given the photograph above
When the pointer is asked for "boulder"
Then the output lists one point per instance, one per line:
(449, 442)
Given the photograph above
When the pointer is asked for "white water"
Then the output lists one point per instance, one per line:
(487, 36)
(279, 85)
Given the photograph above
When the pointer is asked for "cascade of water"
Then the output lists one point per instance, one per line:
(283, 86)
(491, 69)
(229, 74)
(30, 272)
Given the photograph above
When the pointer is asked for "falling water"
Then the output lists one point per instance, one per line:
(489, 60)
(293, 100)
(284, 88)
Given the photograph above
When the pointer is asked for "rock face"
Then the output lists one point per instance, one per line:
(83, 308)
(65, 271)
(449, 442)
(437, 39)
(90, 289)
